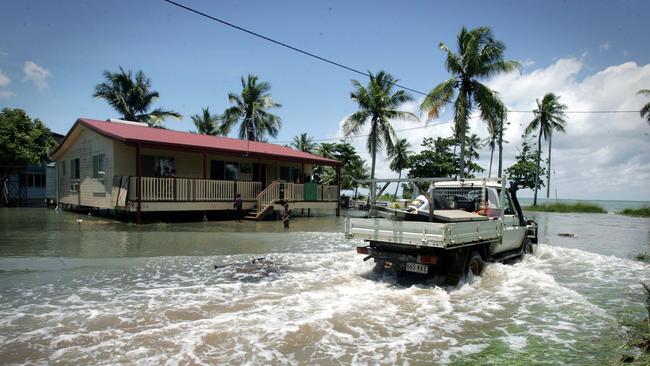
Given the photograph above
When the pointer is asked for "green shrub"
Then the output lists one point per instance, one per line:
(637, 212)
(567, 207)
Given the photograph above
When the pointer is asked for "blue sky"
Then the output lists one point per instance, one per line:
(194, 62)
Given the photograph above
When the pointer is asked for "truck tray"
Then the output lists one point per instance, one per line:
(424, 234)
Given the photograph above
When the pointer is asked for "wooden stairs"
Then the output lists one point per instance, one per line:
(255, 215)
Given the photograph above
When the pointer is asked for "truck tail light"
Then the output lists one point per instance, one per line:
(362, 250)
(427, 259)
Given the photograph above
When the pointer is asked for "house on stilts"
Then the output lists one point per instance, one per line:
(132, 168)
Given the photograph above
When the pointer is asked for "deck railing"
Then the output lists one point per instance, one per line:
(153, 189)
(330, 193)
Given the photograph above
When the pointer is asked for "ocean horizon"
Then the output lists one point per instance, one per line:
(609, 205)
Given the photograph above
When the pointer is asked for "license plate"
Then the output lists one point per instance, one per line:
(417, 268)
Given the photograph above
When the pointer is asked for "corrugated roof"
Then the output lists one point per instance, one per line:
(186, 140)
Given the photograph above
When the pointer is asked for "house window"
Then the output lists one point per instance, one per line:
(246, 168)
(157, 166)
(231, 171)
(98, 166)
(285, 173)
(75, 173)
(36, 180)
(75, 169)
(216, 169)
(295, 175)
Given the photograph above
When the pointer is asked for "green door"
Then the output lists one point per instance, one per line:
(311, 192)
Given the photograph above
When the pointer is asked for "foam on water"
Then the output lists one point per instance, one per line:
(320, 306)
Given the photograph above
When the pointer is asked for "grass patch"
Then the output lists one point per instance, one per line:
(636, 212)
(567, 207)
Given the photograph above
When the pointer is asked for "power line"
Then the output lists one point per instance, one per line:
(337, 64)
(359, 136)
(577, 112)
(285, 45)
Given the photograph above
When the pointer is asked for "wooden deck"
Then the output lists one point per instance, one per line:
(185, 194)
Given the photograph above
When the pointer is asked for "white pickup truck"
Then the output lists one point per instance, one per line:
(472, 221)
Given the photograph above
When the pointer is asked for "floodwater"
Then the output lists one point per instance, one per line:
(104, 293)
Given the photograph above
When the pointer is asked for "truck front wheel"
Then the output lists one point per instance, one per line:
(475, 264)
(528, 247)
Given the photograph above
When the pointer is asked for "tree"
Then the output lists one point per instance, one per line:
(399, 156)
(496, 128)
(357, 170)
(407, 190)
(526, 172)
(645, 110)
(250, 109)
(378, 104)
(23, 141)
(130, 95)
(549, 117)
(304, 143)
(479, 56)
(353, 168)
(472, 144)
(207, 123)
(435, 160)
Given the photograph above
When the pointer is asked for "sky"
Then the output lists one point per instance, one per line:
(594, 54)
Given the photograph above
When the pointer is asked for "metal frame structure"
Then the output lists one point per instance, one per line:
(432, 186)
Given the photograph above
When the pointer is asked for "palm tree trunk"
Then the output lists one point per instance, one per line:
(373, 187)
(491, 156)
(399, 176)
(539, 154)
(548, 173)
(500, 150)
(462, 155)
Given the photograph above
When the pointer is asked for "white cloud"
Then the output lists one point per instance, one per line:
(605, 46)
(601, 156)
(4, 94)
(36, 74)
(4, 80)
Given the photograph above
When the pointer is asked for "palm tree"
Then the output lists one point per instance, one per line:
(479, 56)
(399, 156)
(250, 109)
(645, 110)
(207, 123)
(549, 117)
(473, 144)
(304, 142)
(496, 127)
(132, 97)
(377, 106)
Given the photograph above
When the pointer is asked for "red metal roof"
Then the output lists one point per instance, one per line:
(191, 141)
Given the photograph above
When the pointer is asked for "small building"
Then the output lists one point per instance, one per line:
(30, 185)
(130, 167)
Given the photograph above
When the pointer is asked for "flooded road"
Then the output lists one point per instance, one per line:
(101, 293)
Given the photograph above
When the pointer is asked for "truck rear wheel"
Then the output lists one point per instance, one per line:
(475, 264)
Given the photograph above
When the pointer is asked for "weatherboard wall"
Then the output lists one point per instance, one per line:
(92, 191)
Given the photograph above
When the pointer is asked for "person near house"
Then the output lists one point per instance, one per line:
(286, 215)
(238, 206)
